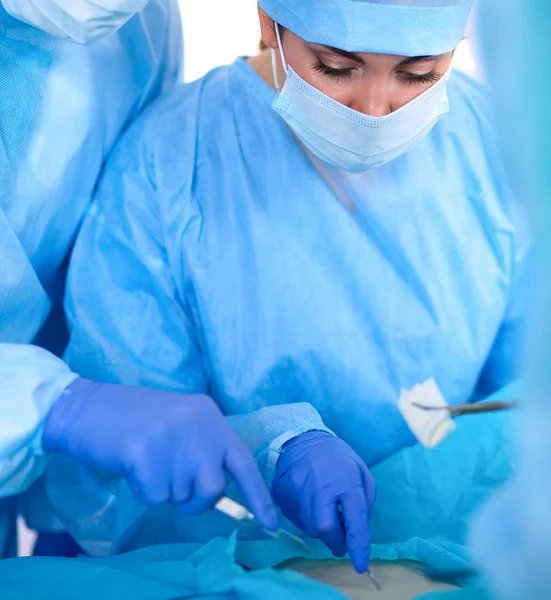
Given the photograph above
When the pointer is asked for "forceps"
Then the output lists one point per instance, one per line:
(474, 408)
(239, 513)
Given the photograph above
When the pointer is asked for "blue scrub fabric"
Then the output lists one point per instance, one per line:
(79, 20)
(226, 261)
(159, 573)
(62, 107)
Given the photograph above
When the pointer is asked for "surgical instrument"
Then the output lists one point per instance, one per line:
(374, 580)
(369, 573)
(238, 512)
(474, 408)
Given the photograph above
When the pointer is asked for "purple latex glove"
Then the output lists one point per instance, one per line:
(324, 488)
(172, 448)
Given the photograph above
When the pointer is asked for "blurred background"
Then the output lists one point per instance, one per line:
(217, 31)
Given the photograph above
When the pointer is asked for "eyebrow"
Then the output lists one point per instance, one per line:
(414, 59)
(349, 55)
(358, 59)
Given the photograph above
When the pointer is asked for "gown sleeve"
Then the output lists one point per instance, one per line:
(32, 380)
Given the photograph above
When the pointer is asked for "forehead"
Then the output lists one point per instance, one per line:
(373, 58)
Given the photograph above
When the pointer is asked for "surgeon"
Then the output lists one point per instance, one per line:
(322, 225)
(62, 108)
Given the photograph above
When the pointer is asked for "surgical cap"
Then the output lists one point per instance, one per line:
(401, 27)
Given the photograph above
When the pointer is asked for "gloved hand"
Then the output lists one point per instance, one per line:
(171, 447)
(324, 488)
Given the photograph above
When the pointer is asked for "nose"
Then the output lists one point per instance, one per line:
(373, 99)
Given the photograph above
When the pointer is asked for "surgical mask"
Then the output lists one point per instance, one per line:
(83, 21)
(346, 138)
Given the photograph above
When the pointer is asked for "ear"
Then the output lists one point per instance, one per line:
(267, 29)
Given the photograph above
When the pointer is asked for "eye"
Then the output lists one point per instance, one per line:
(331, 71)
(413, 78)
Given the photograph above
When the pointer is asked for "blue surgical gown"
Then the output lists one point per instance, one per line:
(225, 261)
(62, 107)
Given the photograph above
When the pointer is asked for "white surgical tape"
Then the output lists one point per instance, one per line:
(430, 427)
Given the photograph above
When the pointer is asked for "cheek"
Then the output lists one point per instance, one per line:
(404, 93)
(343, 90)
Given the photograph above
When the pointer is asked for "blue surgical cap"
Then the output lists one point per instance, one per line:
(401, 27)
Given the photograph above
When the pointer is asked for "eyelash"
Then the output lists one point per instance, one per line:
(411, 78)
(331, 72)
(431, 77)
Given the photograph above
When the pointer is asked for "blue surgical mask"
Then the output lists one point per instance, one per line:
(349, 139)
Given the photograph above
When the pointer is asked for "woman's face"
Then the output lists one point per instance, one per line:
(373, 84)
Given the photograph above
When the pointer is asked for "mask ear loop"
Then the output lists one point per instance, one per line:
(274, 62)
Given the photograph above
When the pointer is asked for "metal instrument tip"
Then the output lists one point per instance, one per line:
(375, 581)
